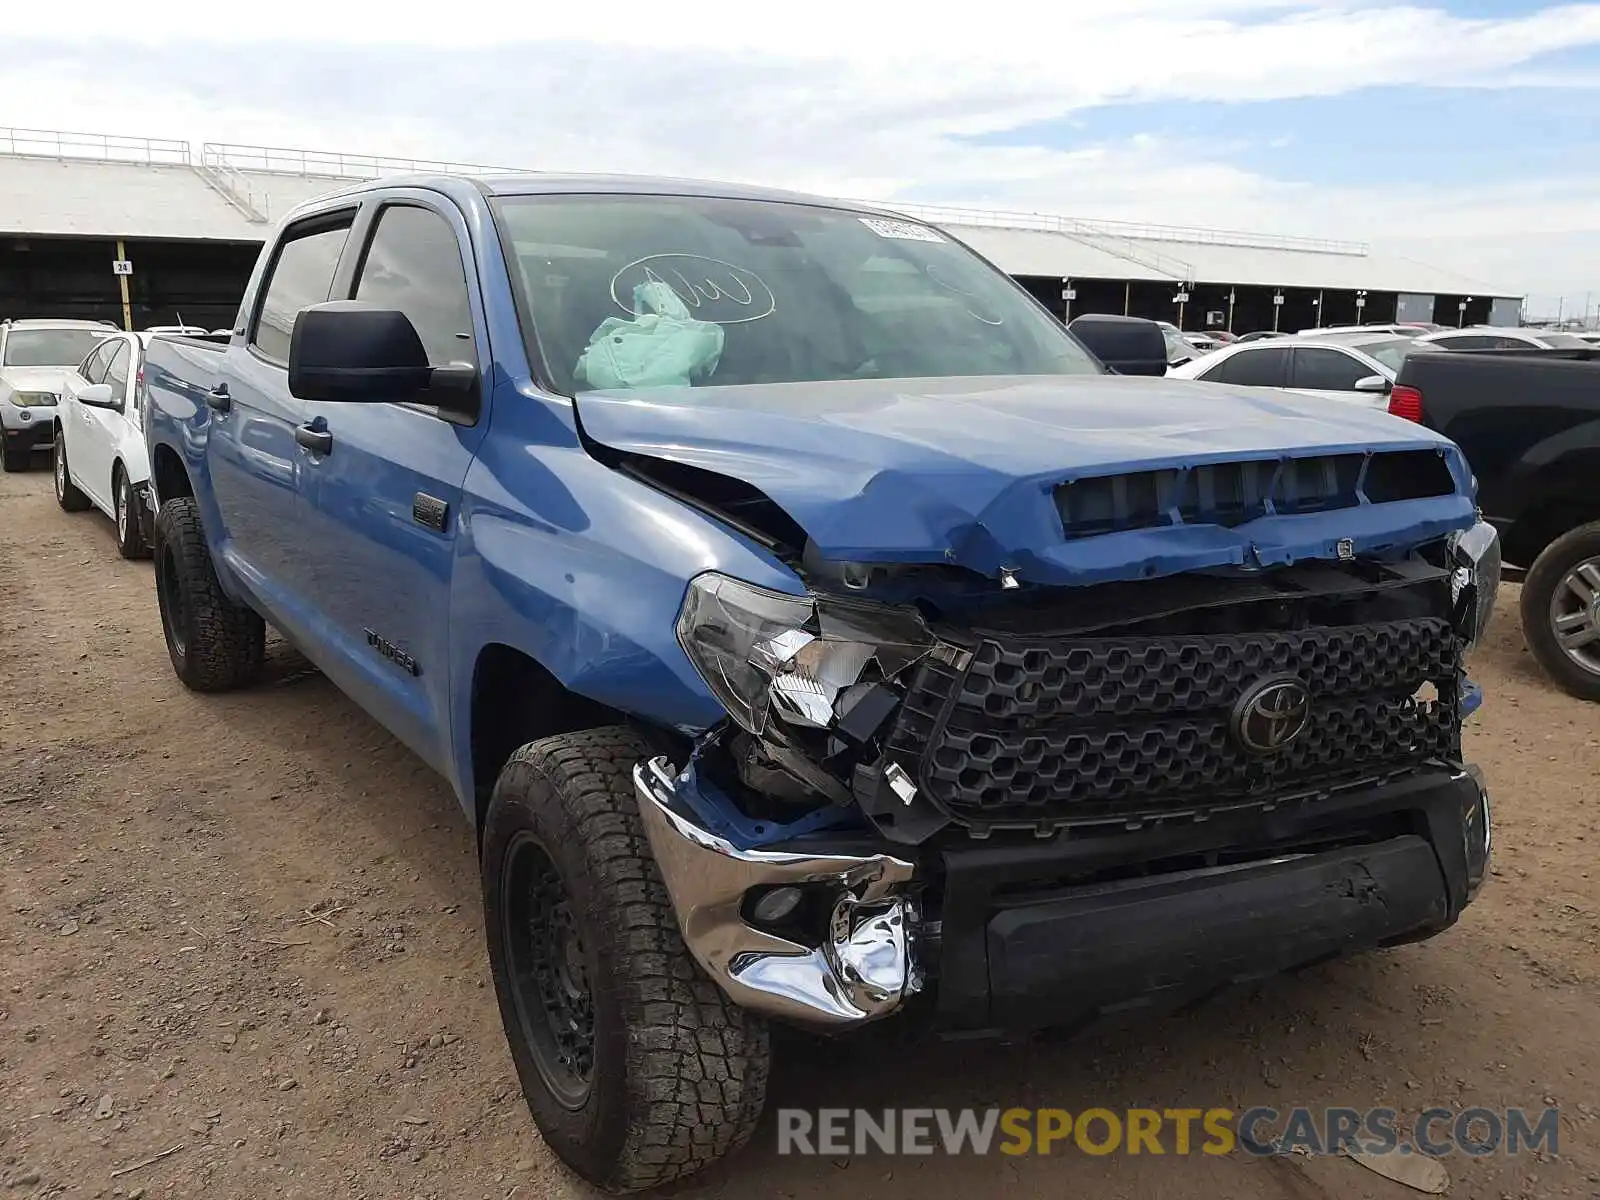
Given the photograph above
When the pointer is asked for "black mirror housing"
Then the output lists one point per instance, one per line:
(1126, 345)
(354, 352)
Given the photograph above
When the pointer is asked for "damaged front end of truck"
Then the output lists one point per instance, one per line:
(1135, 735)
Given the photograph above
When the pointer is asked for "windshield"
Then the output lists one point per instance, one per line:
(1392, 354)
(50, 347)
(650, 291)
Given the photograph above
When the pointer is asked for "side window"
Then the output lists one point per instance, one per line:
(94, 367)
(117, 372)
(413, 264)
(1327, 370)
(1511, 343)
(301, 275)
(1266, 367)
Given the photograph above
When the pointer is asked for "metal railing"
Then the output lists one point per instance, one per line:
(94, 147)
(254, 203)
(1134, 231)
(330, 164)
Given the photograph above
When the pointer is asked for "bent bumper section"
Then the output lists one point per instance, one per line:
(863, 968)
(1008, 938)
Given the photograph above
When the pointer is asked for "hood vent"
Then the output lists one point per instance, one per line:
(1233, 493)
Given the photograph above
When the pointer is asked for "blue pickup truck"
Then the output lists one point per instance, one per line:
(813, 629)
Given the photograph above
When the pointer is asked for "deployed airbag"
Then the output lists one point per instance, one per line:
(660, 346)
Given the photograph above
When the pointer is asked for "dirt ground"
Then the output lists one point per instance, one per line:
(244, 931)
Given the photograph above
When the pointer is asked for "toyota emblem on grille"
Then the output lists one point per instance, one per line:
(1271, 714)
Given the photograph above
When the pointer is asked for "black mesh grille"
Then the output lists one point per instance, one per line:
(1070, 729)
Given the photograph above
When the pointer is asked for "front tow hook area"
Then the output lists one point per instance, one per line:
(862, 970)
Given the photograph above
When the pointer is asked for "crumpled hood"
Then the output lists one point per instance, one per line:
(34, 379)
(964, 470)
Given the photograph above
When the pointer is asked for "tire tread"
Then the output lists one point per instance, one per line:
(697, 1063)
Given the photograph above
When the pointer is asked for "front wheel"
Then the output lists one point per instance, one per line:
(14, 453)
(1561, 611)
(67, 494)
(637, 1069)
(130, 529)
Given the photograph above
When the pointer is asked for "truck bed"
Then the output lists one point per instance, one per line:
(1527, 420)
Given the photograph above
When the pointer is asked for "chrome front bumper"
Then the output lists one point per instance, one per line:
(863, 969)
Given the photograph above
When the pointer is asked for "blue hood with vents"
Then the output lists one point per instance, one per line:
(1063, 479)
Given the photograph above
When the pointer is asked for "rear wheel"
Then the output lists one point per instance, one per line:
(637, 1069)
(130, 531)
(67, 495)
(1561, 611)
(215, 645)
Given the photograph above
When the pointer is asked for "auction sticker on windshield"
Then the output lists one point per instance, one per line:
(907, 231)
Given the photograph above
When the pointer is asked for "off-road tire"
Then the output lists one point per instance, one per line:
(14, 455)
(1538, 590)
(67, 494)
(129, 520)
(215, 645)
(679, 1072)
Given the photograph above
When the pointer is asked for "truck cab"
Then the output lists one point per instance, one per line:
(815, 631)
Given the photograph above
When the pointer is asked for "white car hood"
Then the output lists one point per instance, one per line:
(35, 379)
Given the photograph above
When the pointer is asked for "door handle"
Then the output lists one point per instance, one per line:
(219, 399)
(318, 441)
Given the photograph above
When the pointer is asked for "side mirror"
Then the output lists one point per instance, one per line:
(1127, 345)
(1376, 384)
(352, 352)
(97, 395)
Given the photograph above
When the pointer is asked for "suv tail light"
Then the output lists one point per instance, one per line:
(1406, 402)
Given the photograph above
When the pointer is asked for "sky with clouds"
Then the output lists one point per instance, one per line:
(1460, 132)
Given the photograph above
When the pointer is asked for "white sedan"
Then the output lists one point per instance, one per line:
(1355, 368)
(100, 454)
(1486, 337)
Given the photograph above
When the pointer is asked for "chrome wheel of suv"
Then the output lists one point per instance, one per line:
(60, 456)
(1575, 614)
(121, 502)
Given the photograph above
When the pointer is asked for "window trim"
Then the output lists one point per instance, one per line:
(323, 222)
(100, 349)
(346, 283)
(122, 348)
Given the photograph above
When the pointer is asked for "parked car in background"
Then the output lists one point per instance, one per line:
(181, 330)
(1260, 335)
(1222, 337)
(36, 356)
(832, 639)
(100, 456)
(1393, 330)
(1487, 337)
(1356, 368)
(1201, 343)
(1529, 423)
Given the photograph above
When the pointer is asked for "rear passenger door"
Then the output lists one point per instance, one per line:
(385, 498)
(257, 469)
(1253, 366)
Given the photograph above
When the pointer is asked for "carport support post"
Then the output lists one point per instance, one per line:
(127, 308)
(1127, 299)
(1231, 297)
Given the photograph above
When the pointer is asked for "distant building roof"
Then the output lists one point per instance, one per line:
(94, 185)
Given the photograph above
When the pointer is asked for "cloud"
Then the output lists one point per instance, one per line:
(843, 98)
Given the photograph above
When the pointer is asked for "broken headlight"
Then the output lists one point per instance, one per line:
(1474, 578)
(764, 653)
